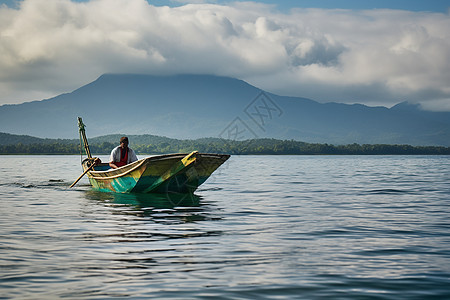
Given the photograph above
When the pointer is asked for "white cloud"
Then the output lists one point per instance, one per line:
(375, 56)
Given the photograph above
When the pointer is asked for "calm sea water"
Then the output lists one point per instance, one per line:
(264, 227)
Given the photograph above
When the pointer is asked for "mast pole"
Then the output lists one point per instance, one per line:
(82, 130)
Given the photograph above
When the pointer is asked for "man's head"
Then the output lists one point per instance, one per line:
(124, 142)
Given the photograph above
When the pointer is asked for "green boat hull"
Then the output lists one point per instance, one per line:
(172, 173)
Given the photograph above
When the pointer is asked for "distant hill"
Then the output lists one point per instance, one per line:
(12, 139)
(150, 144)
(145, 139)
(197, 106)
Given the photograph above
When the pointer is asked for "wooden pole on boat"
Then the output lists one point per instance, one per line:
(83, 140)
(84, 173)
(81, 127)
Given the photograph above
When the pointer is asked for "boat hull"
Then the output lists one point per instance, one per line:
(171, 173)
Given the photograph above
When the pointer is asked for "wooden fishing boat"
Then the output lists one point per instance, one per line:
(170, 173)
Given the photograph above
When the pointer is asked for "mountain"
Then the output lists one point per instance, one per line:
(195, 106)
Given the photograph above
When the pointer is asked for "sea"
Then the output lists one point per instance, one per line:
(262, 227)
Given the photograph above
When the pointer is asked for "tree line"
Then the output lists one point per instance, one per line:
(215, 145)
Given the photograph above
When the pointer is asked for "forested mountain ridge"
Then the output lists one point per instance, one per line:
(12, 139)
(150, 144)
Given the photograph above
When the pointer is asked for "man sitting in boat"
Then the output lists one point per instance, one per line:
(122, 155)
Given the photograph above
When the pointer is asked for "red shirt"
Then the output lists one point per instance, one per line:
(123, 158)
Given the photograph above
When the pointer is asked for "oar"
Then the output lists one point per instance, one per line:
(84, 173)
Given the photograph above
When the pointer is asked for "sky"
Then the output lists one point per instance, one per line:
(327, 50)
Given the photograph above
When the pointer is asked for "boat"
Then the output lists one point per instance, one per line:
(169, 173)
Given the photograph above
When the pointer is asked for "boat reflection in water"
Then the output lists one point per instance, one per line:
(161, 208)
(140, 200)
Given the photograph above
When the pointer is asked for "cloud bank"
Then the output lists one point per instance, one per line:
(376, 57)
